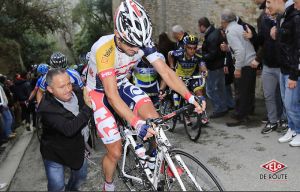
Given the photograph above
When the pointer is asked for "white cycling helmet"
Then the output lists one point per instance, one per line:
(133, 23)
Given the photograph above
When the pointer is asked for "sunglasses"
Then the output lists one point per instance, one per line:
(127, 44)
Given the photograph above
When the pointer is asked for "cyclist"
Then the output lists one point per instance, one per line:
(42, 69)
(112, 57)
(189, 63)
(146, 78)
(59, 60)
(85, 68)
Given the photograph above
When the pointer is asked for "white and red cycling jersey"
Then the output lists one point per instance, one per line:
(108, 60)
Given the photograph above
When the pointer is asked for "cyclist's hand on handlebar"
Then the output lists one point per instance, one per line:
(144, 130)
(162, 94)
(198, 108)
(200, 104)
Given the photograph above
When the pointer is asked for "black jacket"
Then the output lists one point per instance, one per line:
(21, 90)
(62, 141)
(288, 39)
(254, 39)
(211, 52)
(269, 52)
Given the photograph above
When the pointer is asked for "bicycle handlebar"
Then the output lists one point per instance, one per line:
(164, 118)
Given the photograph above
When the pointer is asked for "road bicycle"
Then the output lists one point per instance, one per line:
(192, 121)
(173, 169)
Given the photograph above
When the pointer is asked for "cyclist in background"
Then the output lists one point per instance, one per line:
(59, 60)
(42, 70)
(146, 78)
(187, 63)
(85, 69)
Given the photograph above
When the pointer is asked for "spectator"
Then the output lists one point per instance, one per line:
(229, 73)
(21, 91)
(63, 115)
(271, 71)
(165, 45)
(6, 116)
(16, 108)
(244, 53)
(178, 34)
(214, 59)
(287, 35)
(249, 29)
(10, 98)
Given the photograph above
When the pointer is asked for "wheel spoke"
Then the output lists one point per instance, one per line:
(203, 177)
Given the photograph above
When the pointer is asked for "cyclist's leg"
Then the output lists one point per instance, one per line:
(195, 86)
(108, 131)
(199, 91)
(153, 92)
(144, 107)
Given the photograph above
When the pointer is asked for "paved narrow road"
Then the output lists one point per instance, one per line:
(233, 154)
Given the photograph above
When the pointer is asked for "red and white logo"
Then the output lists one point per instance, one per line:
(273, 166)
(107, 73)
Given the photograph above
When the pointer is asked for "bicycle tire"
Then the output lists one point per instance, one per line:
(92, 133)
(134, 170)
(194, 130)
(206, 179)
(166, 107)
(39, 128)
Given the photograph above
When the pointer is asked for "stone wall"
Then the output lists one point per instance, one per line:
(166, 13)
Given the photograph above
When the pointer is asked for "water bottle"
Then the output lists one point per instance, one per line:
(141, 153)
(151, 162)
(176, 99)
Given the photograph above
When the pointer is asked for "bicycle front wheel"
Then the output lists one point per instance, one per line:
(167, 107)
(195, 175)
(192, 124)
(133, 167)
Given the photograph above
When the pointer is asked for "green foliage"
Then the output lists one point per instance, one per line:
(36, 48)
(10, 58)
(18, 16)
(27, 23)
(95, 19)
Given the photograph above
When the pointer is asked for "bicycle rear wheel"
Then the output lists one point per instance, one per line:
(134, 168)
(188, 166)
(92, 133)
(192, 124)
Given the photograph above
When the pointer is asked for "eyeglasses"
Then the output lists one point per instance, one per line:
(127, 44)
(191, 48)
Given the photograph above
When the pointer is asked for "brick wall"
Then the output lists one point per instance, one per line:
(166, 13)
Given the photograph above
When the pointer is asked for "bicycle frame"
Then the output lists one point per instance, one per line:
(163, 146)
